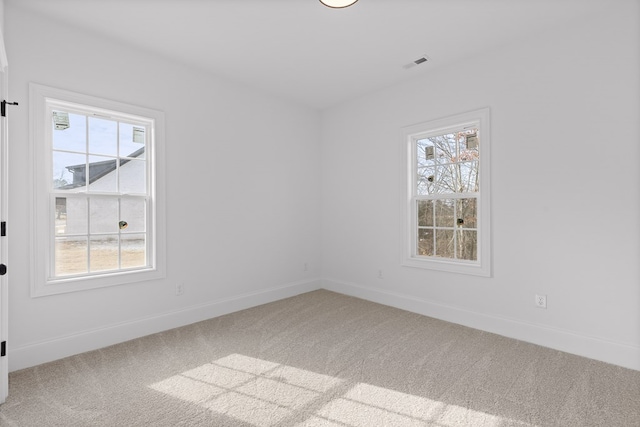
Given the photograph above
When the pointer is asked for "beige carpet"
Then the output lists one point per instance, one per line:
(323, 359)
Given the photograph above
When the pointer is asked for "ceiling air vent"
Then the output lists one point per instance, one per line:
(421, 60)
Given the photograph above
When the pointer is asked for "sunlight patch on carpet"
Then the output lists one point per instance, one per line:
(264, 393)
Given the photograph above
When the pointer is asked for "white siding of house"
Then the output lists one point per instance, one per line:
(129, 174)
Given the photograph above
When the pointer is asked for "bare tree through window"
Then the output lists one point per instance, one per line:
(447, 184)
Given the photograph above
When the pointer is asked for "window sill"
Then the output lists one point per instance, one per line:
(76, 284)
(470, 268)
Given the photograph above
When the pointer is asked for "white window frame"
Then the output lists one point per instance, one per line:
(410, 135)
(42, 98)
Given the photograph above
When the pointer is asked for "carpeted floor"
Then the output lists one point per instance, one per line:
(323, 359)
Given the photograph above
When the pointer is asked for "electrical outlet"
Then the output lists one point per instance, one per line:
(541, 301)
(179, 289)
(306, 266)
(380, 274)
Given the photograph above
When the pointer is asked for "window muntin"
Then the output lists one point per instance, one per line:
(447, 167)
(446, 209)
(98, 209)
(100, 162)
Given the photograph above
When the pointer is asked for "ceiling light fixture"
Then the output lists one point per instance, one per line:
(338, 4)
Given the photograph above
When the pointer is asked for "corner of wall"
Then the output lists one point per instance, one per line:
(64, 346)
(621, 354)
(3, 52)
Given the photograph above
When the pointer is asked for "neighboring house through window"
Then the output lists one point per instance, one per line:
(99, 216)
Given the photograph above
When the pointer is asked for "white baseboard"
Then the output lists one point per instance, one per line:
(621, 354)
(46, 351)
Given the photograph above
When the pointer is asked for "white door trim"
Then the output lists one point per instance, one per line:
(4, 188)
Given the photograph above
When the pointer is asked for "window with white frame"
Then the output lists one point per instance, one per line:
(446, 186)
(98, 211)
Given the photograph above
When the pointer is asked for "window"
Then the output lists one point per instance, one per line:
(98, 211)
(446, 188)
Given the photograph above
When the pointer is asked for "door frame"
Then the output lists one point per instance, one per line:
(4, 199)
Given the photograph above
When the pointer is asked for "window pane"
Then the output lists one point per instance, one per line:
(103, 136)
(70, 255)
(444, 212)
(467, 213)
(425, 181)
(445, 180)
(426, 152)
(104, 214)
(102, 174)
(69, 171)
(444, 243)
(425, 213)
(133, 176)
(468, 177)
(134, 252)
(60, 215)
(445, 147)
(469, 145)
(104, 253)
(71, 215)
(133, 212)
(132, 140)
(438, 180)
(467, 244)
(73, 137)
(425, 241)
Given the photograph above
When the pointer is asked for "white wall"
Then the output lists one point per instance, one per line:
(565, 132)
(244, 178)
(242, 193)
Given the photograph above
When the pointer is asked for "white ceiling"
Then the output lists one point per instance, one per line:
(308, 53)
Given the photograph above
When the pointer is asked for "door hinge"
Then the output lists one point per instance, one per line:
(3, 228)
(3, 107)
(3, 349)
